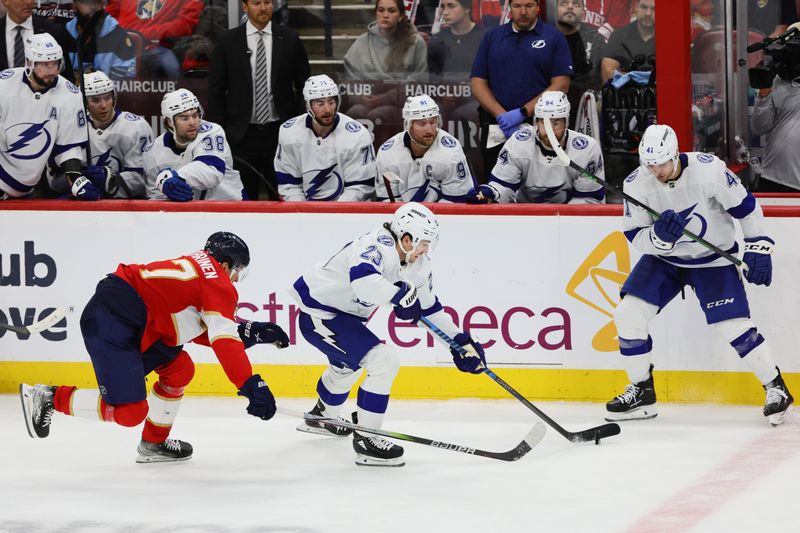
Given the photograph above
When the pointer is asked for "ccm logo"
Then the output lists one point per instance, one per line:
(719, 303)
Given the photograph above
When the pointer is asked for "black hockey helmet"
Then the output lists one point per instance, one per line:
(226, 247)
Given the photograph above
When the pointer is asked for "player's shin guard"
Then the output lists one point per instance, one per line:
(164, 403)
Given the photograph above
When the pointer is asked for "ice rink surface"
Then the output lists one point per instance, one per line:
(693, 468)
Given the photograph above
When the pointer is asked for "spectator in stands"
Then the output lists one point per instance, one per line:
(195, 51)
(586, 48)
(606, 15)
(770, 18)
(104, 46)
(161, 23)
(452, 50)
(58, 11)
(632, 46)
(487, 12)
(777, 116)
(234, 91)
(18, 25)
(515, 63)
(390, 49)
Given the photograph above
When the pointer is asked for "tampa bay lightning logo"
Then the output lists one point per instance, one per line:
(688, 215)
(632, 176)
(579, 143)
(323, 181)
(705, 158)
(448, 142)
(386, 240)
(72, 88)
(388, 144)
(204, 127)
(131, 116)
(28, 140)
(523, 135)
(107, 160)
(353, 127)
(288, 123)
(6, 74)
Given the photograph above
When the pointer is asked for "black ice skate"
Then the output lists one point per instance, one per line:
(170, 450)
(638, 402)
(37, 408)
(375, 450)
(778, 400)
(320, 428)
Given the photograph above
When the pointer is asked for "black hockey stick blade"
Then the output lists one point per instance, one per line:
(533, 437)
(45, 323)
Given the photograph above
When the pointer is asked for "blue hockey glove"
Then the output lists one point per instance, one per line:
(253, 333)
(104, 178)
(262, 402)
(173, 186)
(487, 195)
(474, 360)
(669, 227)
(758, 258)
(84, 189)
(509, 121)
(406, 305)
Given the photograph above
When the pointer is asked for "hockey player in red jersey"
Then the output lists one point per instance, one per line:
(137, 322)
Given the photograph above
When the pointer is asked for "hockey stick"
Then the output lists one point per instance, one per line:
(41, 325)
(531, 439)
(390, 177)
(587, 435)
(250, 168)
(566, 161)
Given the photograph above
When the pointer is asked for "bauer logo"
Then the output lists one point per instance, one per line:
(597, 282)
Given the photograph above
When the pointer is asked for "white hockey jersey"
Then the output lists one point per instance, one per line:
(441, 174)
(339, 166)
(527, 172)
(121, 146)
(36, 126)
(360, 277)
(206, 164)
(708, 195)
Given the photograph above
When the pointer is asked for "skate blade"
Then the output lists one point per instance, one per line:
(363, 460)
(25, 393)
(141, 459)
(777, 419)
(640, 413)
(305, 428)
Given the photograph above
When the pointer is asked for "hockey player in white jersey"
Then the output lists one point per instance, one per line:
(388, 265)
(528, 170)
(423, 163)
(695, 191)
(192, 159)
(117, 140)
(324, 155)
(42, 117)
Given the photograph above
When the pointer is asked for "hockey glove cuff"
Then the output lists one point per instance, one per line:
(262, 402)
(474, 358)
(758, 258)
(253, 333)
(84, 189)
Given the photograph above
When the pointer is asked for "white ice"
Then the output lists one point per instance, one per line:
(693, 468)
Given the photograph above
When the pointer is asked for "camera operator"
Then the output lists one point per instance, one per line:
(776, 114)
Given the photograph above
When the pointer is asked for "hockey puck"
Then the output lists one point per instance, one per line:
(596, 438)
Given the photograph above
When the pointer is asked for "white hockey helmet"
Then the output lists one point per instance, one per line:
(659, 144)
(97, 83)
(418, 221)
(319, 86)
(42, 47)
(418, 108)
(552, 104)
(177, 102)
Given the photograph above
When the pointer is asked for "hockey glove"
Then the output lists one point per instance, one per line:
(483, 194)
(173, 186)
(253, 333)
(84, 189)
(668, 228)
(509, 121)
(758, 258)
(104, 178)
(262, 402)
(474, 360)
(406, 305)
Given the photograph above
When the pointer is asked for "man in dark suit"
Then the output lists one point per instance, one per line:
(255, 83)
(20, 14)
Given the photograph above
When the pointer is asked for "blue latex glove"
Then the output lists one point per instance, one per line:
(474, 360)
(84, 189)
(262, 402)
(509, 121)
(173, 186)
(669, 227)
(253, 333)
(485, 191)
(406, 305)
(758, 258)
(104, 178)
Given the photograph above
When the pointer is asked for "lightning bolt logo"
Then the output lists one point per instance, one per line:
(321, 177)
(328, 337)
(107, 160)
(688, 215)
(31, 132)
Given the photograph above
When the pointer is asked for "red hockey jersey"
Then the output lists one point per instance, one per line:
(157, 20)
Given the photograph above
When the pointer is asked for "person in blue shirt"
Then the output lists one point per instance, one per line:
(104, 45)
(514, 64)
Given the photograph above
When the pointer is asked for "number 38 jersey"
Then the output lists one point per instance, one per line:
(206, 164)
(441, 174)
(191, 298)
